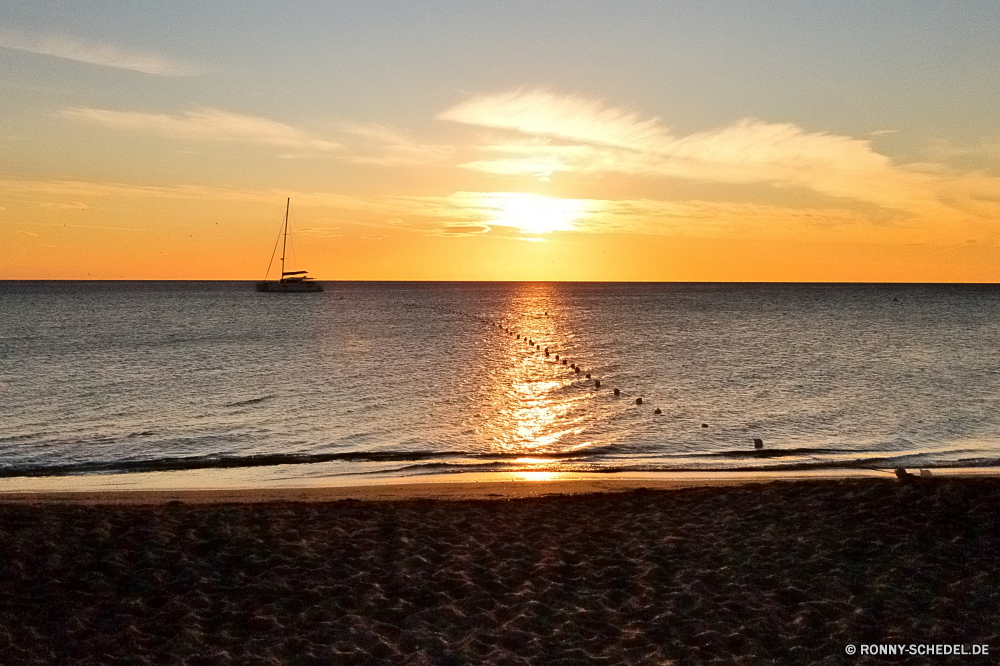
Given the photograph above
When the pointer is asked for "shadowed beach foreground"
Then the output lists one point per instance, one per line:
(759, 573)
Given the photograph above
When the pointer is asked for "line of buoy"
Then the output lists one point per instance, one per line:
(573, 366)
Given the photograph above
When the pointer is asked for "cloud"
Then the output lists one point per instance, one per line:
(563, 116)
(204, 124)
(360, 143)
(463, 230)
(389, 146)
(495, 214)
(73, 205)
(574, 134)
(105, 55)
(711, 219)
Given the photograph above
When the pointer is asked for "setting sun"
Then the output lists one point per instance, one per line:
(534, 214)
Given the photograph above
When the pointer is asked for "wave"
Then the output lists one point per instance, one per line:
(459, 461)
(251, 401)
(172, 464)
(770, 453)
(181, 463)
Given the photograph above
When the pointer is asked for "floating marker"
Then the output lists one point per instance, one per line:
(588, 375)
(617, 392)
(638, 401)
(597, 383)
(657, 411)
(576, 370)
(758, 443)
(704, 425)
(564, 361)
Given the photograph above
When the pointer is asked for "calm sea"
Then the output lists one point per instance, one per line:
(399, 379)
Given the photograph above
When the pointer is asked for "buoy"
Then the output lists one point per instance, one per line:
(597, 383)
(657, 411)
(557, 357)
(617, 392)
(704, 425)
(758, 443)
(546, 351)
(577, 370)
(564, 361)
(638, 401)
(588, 375)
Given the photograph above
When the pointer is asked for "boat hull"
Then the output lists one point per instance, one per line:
(288, 287)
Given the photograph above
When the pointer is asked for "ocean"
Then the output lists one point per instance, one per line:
(386, 380)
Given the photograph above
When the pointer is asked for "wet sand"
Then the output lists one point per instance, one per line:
(781, 572)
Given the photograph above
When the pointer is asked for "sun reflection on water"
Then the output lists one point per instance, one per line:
(535, 405)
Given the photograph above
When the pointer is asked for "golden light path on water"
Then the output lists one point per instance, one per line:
(533, 406)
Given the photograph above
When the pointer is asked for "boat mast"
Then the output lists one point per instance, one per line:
(284, 241)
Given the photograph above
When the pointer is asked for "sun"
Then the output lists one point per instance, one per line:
(533, 213)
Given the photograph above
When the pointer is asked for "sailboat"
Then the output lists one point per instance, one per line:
(291, 281)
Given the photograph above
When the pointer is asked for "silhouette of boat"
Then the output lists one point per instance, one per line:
(291, 281)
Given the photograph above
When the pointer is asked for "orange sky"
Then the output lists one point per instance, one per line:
(721, 146)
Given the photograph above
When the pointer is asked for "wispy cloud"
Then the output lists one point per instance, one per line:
(500, 214)
(463, 230)
(375, 143)
(205, 124)
(72, 205)
(564, 116)
(105, 55)
(574, 134)
(360, 143)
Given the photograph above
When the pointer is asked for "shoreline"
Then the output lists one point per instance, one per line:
(112, 489)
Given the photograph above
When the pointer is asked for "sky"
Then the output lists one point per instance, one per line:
(507, 140)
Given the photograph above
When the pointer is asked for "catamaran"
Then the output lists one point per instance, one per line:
(290, 280)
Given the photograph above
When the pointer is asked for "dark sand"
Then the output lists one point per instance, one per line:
(786, 572)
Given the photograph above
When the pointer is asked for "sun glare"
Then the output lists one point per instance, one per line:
(535, 214)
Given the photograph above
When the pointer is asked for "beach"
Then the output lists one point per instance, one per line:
(779, 572)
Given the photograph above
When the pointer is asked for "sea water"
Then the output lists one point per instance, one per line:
(401, 379)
